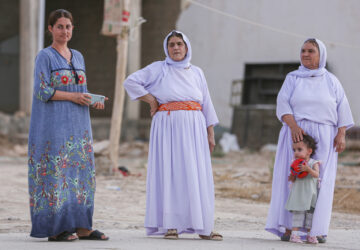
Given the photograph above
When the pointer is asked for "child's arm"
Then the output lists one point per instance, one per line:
(314, 172)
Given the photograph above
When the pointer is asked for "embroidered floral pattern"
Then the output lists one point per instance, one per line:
(65, 80)
(65, 176)
(44, 89)
(81, 79)
(58, 78)
(66, 77)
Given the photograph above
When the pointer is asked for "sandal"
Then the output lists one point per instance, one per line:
(311, 239)
(171, 234)
(285, 237)
(64, 236)
(212, 236)
(94, 235)
(295, 239)
(321, 239)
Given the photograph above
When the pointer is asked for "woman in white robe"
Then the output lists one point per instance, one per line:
(180, 186)
(311, 101)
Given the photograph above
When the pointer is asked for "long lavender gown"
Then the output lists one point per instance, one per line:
(180, 188)
(318, 103)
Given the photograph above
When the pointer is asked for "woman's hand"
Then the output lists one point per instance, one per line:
(339, 140)
(154, 105)
(211, 138)
(99, 105)
(296, 132)
(82, 99)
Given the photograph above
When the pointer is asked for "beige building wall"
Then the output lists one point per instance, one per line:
(222, 45)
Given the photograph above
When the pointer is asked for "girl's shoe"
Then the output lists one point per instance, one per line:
(295, 239)
(311, 239)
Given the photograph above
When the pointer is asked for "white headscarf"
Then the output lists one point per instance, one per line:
(305, 72)
(185, 63)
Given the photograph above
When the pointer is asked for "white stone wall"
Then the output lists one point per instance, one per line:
(222, 46)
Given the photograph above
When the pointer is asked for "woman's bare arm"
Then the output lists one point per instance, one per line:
(75, 97)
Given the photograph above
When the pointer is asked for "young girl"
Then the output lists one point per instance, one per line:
(302, 199)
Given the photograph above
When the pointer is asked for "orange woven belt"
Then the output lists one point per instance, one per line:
(187, 105)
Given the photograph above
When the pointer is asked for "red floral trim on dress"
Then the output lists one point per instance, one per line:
(65, 80)
(65, 77)
(81, 79)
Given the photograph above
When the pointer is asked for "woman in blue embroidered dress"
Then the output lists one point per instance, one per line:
(61, 158)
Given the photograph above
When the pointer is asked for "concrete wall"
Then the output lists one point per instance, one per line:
(255, 125)
(222, 46)
(9, 12)
(9, 72)
(161, 16)
(9, 55)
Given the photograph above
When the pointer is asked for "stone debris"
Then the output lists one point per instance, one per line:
(21, 150)
(101, 147)
(229, 142)
(268, 148)
(255, 196)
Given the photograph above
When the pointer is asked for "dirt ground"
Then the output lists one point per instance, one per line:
(243, 189)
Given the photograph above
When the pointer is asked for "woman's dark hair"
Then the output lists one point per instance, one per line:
(313, 42)
(56, 14)
(174, 33)
(310, 143)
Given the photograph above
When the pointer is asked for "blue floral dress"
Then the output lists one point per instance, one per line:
(61, 158)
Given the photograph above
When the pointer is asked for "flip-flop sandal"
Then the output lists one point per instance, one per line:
(321, 239)
(212, 236)
(171, 234)
(64, 236)
(94, 235)
(285, 237)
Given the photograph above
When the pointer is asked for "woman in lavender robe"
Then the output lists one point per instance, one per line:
(311, 101)
(61, 159)
(180, 187)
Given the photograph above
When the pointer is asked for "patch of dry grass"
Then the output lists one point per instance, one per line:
(247, 175)
(347, 200)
